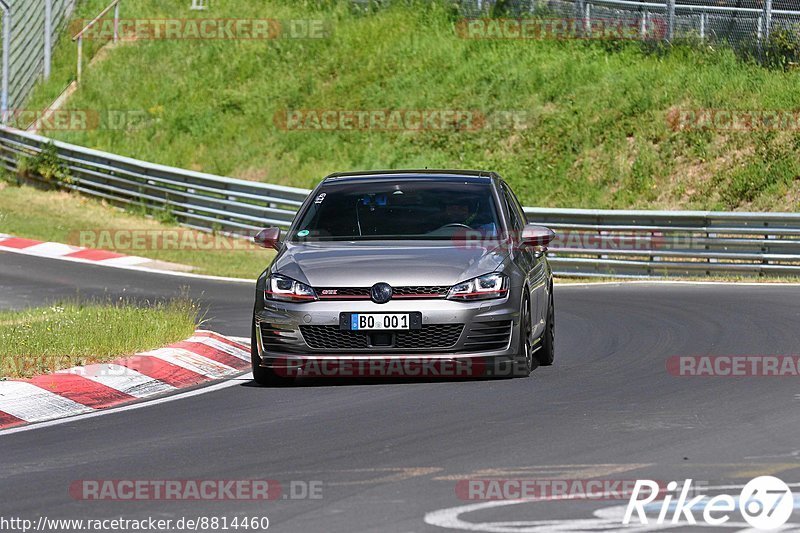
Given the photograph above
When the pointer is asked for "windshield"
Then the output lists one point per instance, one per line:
(398, 210)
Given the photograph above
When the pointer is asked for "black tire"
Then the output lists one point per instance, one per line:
(263, 375)
(546, 354)
(523, 362)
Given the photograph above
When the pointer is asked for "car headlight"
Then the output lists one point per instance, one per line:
(480, 288)
(288, 290)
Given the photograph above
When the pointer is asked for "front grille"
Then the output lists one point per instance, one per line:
(433, 291)
(360, 293)
(485, 336)
(277, 337)
(430, 336)
(333, 338)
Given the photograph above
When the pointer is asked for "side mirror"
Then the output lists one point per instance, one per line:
(268, 238)
(533, 235)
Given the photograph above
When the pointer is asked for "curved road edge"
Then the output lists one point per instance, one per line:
(202, 359)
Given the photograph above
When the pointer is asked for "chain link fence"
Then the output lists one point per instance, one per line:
(30, 29)
(766, 29)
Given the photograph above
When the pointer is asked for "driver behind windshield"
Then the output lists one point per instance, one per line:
(460, 212)
(389, 209)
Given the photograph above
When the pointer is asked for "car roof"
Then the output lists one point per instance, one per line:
(420, 174)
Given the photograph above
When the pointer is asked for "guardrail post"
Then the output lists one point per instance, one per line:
(653, 247)
(767, 19)
(760, 31)
(116, 22)
(4, 103)
(580, 7)
(587, 21)
(765, 249)
(602, 240)
(702, 27)
(48, 37)
(643, 31)
(670, 20)
(709, 236)
(80, 58)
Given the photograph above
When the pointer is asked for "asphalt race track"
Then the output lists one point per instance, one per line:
(389, 453)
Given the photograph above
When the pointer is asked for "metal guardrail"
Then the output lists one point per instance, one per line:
(197, 200)
(589, 242)
(672, 243)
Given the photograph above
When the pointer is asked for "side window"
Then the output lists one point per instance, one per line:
(512, 208)
(516, 204)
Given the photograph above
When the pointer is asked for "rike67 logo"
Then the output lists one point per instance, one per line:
(765, 503)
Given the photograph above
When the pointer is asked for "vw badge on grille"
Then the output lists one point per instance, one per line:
(381, 293)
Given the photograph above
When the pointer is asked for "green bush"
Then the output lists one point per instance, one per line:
(46, 166)
(782, 49)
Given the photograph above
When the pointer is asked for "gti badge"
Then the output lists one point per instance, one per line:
(381, 293)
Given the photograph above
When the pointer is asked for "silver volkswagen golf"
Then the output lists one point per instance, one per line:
(435, 268)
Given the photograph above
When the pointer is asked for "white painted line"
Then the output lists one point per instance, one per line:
(114, 410)
(128, 260)
(604, 519)
(192, 361)
(180, 274)
(52, 249)
(24, 251)
(123, 379)
(222, 346)
(34, 404)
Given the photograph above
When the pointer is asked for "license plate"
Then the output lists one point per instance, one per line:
(380, 321)
(375, 321)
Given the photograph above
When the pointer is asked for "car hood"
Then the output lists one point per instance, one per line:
(398, 263)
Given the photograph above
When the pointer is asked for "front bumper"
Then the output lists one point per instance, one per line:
(451, 331)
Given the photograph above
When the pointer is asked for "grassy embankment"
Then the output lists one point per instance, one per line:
(41, 340)
(596, 115)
